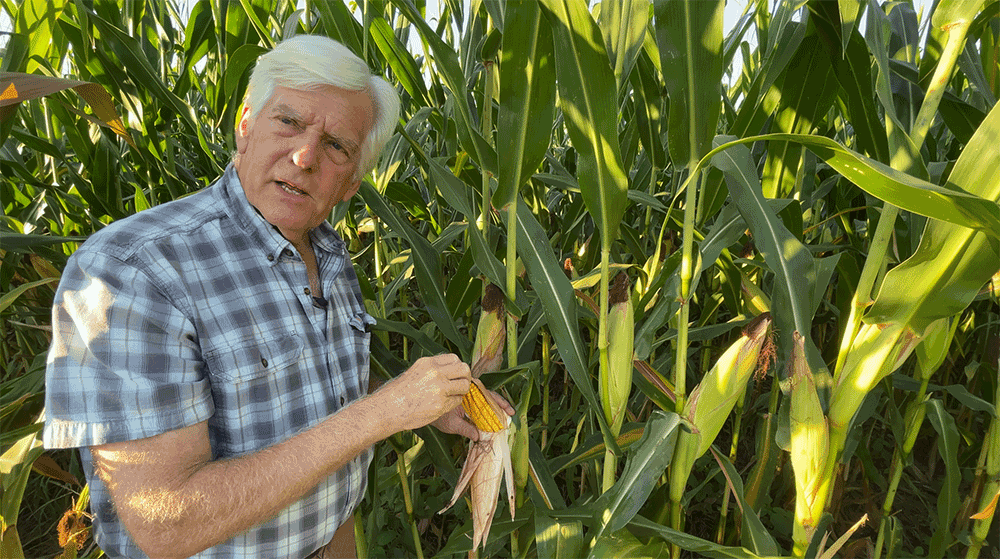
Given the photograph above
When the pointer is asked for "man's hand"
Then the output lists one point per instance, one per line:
(430, 388)
(456, 422)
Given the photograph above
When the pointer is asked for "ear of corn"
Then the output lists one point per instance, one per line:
(715, 396)
(481, 409)
(488, 460)
(809, 446)
(487, 353)
(877, 351)
(616, 379)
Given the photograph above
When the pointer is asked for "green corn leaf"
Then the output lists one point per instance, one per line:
(130, 53)
(558, 539)
(951, 263)
(527, 94)
(586, 84)
(544, 490)
(689, 36)
(948, 494)
(427, 264)
(615, 508)
(239, 62)
(8, 298)
(959, 203)
(339, 23)
(754, 534)
(451, 71)
(456, 192)
(646, 528)
(404, 68)
(848, 20)
(623, 545)
(649, 108)
(623, 24)
(804, 94)
(788, 258)
(557, 297)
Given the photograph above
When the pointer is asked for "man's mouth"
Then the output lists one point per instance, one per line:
(291, 189)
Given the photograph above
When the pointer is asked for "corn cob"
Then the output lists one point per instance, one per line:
(481, 409)
(616, 381)
(715, 396)
(487, 353)
(809, 445)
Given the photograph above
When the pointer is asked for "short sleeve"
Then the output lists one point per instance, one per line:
(124, 363)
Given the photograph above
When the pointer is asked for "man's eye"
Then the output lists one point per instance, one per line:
(286, 120)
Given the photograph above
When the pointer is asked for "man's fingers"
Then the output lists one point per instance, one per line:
(458, 387)
(502, 402)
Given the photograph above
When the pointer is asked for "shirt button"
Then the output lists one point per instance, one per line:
(306, 291)
(270, 258)
(342, 400)
(263, 361)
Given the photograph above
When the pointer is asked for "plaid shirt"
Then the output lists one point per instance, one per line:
(200, 310)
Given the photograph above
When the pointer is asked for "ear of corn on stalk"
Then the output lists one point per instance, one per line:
(877, 351)
(616, 380)
(488, 460)
(809, 446)
(487, 353)
(713, 399)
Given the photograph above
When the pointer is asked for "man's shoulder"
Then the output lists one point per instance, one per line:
(177, 219)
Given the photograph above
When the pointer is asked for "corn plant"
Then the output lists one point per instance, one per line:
(736, 308)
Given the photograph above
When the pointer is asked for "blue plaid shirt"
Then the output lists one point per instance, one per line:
(200, 310)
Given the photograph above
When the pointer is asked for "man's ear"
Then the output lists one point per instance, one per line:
(243, 130)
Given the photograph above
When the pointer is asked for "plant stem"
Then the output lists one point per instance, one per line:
(878, 250)
(991, 448)
(687, 272)
(610, 460)
(546, 365)
(915, 413)
(408, 502)
(720, 533)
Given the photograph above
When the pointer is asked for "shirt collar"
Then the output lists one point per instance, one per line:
(262, 233)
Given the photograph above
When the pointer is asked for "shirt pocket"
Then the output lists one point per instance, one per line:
(253, 359)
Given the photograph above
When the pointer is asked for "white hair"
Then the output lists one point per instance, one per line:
(306, 62)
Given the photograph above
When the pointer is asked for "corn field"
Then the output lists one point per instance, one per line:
(748, 311)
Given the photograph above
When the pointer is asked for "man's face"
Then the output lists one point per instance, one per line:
(298, 155)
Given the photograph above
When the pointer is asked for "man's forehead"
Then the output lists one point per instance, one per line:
(343, 105)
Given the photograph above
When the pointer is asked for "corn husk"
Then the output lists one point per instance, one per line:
(616, 380)
(491, 335)
(487, 462)
(877, 351)
(713, 399)
(809, 446)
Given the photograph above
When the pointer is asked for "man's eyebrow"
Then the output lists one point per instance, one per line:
(284, 109)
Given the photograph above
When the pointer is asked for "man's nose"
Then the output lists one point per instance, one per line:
(305, 156)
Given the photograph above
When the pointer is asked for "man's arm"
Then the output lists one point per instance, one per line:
(175, 501)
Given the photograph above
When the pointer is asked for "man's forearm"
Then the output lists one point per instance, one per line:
(213, 501)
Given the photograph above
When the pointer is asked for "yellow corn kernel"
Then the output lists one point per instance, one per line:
(480, 410)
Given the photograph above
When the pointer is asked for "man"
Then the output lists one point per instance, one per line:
(210, 356)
